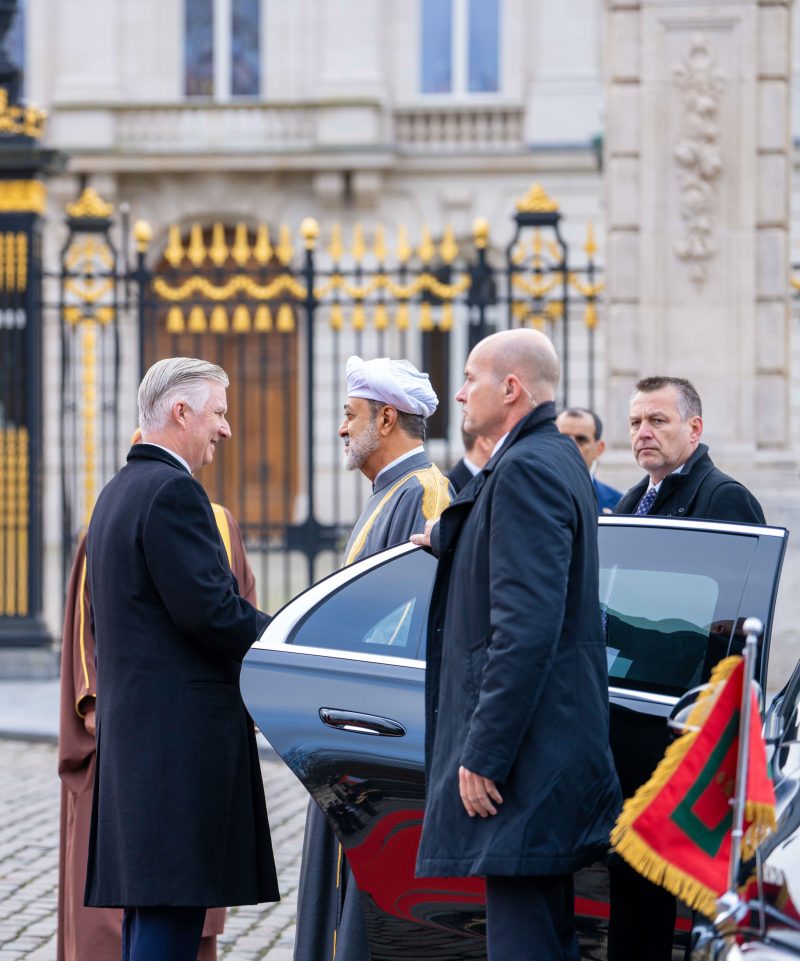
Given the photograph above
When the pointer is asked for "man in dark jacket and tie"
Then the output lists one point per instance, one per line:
(170, 633)
(666, 423)
(521, 786)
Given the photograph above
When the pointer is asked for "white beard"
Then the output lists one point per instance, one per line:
(357, 451)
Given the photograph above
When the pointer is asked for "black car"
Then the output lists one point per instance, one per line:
(336, 684)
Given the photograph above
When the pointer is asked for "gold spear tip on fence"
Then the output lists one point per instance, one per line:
(142, 234)
(480, 232)
(309, 231)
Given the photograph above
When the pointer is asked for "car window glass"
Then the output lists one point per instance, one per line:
(670, 601)
(381, 612)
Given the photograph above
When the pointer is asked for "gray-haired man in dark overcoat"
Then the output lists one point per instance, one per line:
(520, 780)
(179, 822)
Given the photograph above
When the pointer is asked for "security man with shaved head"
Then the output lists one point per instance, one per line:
(521, 787)
(388, 402)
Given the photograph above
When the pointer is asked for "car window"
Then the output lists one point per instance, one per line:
(670, 601)
(382, 612)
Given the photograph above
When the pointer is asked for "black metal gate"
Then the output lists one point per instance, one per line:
(281, 314)
(24, 165)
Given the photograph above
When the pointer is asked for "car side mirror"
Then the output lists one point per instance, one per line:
(773, 722)
(679, 715)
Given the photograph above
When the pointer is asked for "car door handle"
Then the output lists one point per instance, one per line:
(361, 723)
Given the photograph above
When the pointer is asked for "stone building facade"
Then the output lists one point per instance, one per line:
(668, 124)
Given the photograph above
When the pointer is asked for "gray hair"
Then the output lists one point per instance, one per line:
(412, 425)
(171, 380)
(689, 403)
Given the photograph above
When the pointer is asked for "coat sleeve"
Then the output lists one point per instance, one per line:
(533, 521)
(734, 502)
(184, 556)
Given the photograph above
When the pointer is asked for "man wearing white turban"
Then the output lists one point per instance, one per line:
(388, 402)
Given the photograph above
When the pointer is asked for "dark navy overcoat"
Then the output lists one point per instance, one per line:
(179, 816)
(516, 686)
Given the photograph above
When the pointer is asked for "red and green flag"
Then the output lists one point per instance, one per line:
(676, 830)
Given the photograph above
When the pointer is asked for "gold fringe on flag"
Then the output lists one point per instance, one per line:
(631, 846)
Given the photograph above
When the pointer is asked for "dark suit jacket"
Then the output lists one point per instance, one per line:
(178, 816)
(607, 496)
(459, 476)
(516, 686)
(700, 490)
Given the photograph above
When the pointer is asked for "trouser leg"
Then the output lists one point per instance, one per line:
(641, 914)
(531, 919)
(162, 933)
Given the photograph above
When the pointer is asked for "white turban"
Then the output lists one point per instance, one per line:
(397, 383)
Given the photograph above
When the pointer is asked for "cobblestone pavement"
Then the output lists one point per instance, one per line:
(29, 813)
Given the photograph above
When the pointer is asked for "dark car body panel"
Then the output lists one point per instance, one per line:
(340, 671)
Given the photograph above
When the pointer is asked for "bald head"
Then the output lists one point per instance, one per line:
(528, 355)
(507, 375)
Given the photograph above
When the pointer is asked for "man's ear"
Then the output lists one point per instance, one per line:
(178, 413)
(696, 428)
(387, 418)
(599, 448)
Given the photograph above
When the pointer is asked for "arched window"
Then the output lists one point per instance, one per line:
(222, 48)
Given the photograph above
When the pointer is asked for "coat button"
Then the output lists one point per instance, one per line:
(681, 510)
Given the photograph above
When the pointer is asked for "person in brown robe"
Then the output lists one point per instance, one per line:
(94, 934)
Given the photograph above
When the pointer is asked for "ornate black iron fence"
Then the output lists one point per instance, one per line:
(282, 313)
(23, 193)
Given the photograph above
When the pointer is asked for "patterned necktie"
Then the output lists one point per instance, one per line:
(646, 502)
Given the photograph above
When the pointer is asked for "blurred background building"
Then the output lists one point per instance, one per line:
(275, 184)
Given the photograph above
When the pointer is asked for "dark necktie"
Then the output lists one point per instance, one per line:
(646, 502)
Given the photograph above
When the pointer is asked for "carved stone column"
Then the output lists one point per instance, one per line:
(698, 166)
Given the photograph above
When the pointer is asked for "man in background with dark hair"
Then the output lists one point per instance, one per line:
(666, 424)
(586, 429)
(477, 451)
(387, 405)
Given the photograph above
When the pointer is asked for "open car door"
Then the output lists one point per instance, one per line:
(336, 684)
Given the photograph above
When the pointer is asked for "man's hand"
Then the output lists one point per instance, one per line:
(89, 720)
(477, 793)
(424, 540)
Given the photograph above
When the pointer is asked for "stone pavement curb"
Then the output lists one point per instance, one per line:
(29, 827)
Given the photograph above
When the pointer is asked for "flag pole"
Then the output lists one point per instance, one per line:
(753, 629)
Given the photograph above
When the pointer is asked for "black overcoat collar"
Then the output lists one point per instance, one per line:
(151, 452)
(687, 481)
(538, 416)
(454, 516)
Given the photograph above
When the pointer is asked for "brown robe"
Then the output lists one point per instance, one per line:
(95, 934)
